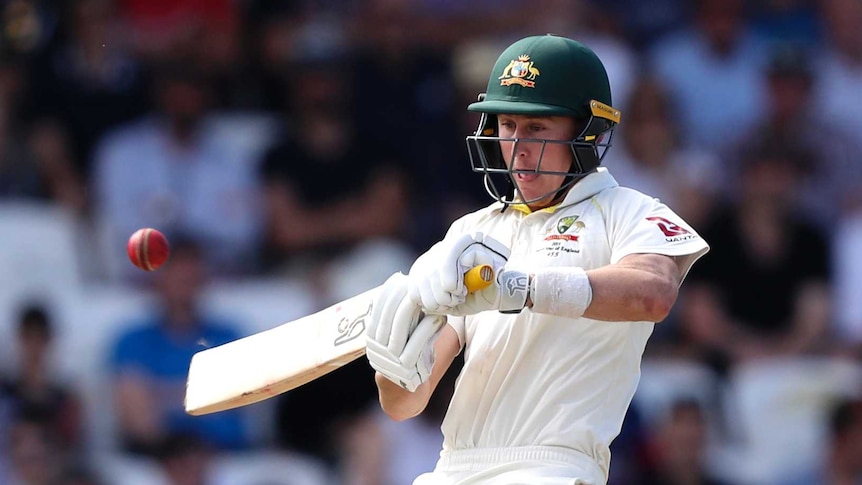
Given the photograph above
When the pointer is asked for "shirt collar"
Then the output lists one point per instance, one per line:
(583, 189)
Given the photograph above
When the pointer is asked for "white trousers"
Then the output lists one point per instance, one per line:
(531, 465)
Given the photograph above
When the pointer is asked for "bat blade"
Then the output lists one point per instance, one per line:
(275, 361)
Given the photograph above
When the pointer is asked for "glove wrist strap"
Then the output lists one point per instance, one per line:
(514, 291)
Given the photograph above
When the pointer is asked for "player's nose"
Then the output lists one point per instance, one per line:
(522, 151)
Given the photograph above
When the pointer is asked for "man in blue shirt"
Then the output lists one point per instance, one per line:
(150, 361)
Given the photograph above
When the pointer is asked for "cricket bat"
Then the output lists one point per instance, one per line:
(269, 363)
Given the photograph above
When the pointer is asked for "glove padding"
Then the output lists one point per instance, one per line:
(437, 276)
(508, 294)
(399, 338)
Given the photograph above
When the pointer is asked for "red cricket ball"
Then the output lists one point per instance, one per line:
(148, 249)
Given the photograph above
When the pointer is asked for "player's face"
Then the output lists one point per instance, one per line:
(525, 155)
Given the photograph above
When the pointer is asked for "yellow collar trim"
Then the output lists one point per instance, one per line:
(526, 209)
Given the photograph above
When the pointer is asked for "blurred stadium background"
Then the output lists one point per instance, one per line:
(298, 152)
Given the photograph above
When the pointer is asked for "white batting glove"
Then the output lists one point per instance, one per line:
(399, 338)
(508, 294)
(437, 276)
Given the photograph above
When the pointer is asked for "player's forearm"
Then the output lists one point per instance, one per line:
(638, 288)
(630, 294)
(400, 404)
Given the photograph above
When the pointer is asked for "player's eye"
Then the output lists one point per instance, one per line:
(508, 125)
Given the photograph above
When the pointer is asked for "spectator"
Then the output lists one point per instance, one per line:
(847, 264)
(334, 420)
(34, 390)
(839, 68)
(198, 31)
(644, 23)
(79, 475)
(271, 31)
(33, 458)
(149, 363)
(28, 26)
(326, 185)
(833, 181)
(21, 176)
(384, 452)
(842, 462)
(406, 82)
(787, 20)
(713, 71)
(591, 23)
(184, 459)
(649, 155)
(678, 453)
(185, 171)
(764, 291)
(36, 163)
(88, 82)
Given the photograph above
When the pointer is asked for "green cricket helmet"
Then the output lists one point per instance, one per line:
(543, 75)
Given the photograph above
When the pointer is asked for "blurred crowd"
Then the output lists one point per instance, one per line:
(297, 152)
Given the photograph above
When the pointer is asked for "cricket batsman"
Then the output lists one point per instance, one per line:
(584, 268)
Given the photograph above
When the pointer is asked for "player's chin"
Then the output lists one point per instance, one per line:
(534, 188)
(535, 201)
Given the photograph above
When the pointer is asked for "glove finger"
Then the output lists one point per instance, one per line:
(403, 324)
(423, 336)
(391, 296)
(432, 297)
(450, 272)
(476, 255)
(427, 298)
(380, 358)
(393, 370)
(379, 303)
(414, 290)
(376, 352)
(373, 323)
(444, 297)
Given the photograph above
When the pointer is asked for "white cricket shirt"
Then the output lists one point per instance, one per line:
(540, 380)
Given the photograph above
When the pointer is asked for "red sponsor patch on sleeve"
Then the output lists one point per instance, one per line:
(669, 228)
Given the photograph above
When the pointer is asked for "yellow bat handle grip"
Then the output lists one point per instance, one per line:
(479, 277)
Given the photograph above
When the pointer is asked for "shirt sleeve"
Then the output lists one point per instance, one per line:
(642, 225)
(459, 324)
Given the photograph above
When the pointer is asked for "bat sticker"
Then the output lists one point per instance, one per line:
(349, 330)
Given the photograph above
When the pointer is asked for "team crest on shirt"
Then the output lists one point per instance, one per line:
(567, 229)
(562, 237)
(521, 72)
(566, 223)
